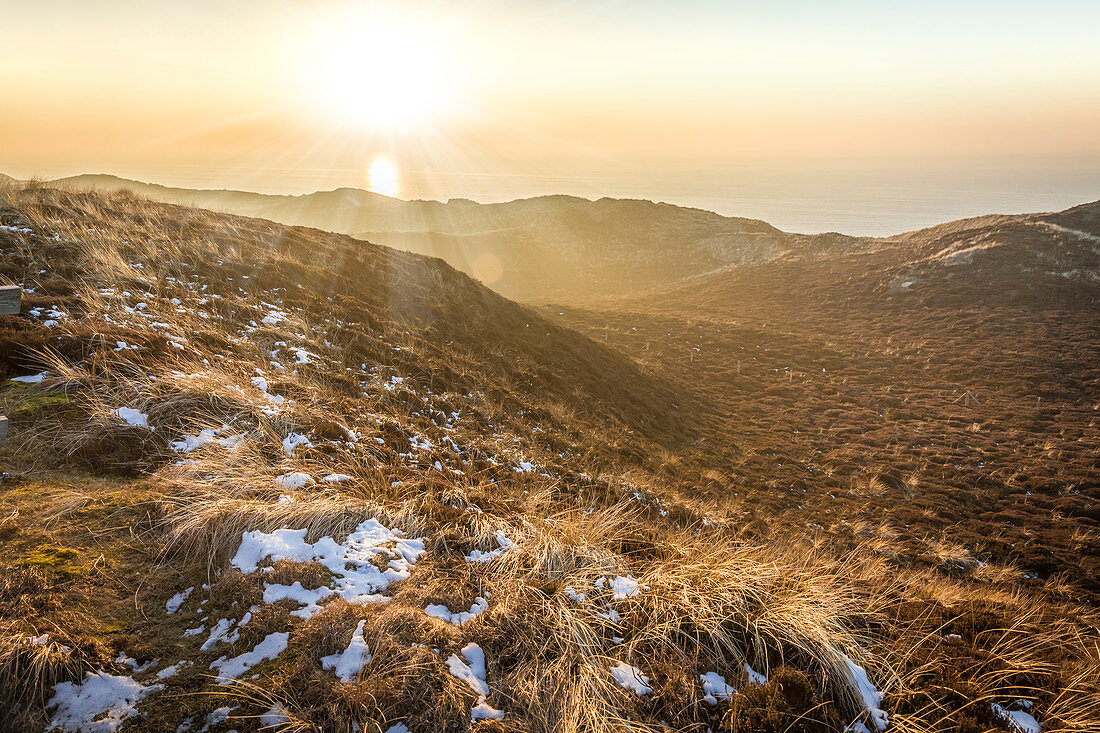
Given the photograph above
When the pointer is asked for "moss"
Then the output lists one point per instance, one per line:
(62, 561)
(30, 405)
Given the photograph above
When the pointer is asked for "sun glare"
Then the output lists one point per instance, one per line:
(381, 74)
(382, 175)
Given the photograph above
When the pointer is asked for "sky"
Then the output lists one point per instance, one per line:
(862, 116)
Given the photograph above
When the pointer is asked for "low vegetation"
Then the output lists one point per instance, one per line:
(271, 478)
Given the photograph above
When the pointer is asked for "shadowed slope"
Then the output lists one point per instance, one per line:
(464, 335)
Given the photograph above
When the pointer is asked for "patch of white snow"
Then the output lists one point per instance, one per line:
(472, 672)
(715, 688)
(1018, 720)
(31, 379)
(869, 695)
(232, 668)
(99, 704)
(460, 617)
(349, 663)
(631, 678)
(356, 578)
(173, 604)
(294, 480)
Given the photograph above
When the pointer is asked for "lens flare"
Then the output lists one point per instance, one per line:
(382, 175)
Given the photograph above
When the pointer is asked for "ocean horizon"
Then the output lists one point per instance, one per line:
(879, 201)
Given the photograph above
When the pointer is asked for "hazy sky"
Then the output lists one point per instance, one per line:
(508, 98)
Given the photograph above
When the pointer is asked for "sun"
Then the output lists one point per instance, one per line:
(382, 176)
(381, 73)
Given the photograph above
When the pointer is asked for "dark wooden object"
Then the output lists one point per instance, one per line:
(10, 300)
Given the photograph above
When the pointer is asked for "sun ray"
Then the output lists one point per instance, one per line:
(381, 72)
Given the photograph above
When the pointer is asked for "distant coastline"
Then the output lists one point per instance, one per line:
(854, 202)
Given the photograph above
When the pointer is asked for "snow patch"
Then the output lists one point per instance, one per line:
(356, 578)
(172, 670)
(458, 618)
(302, 356)
(308, 598)
(133, 663)
(274, 401)
(503, 545)
(631, 678)
(208, 436)
(275, 716)
(97, 705)
(232, 668)
(1018, 720)
(622, 586)
(294, 480)
(31, 379)
(173, 604)
(472, 672)
(274, 317)
(349, 663)
(133, 417)
(217, 717)
(221, 632)
(715, 688)
(575, 595)
(293, 441)
(869, 695)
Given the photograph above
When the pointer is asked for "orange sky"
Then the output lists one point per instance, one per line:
(447, 90)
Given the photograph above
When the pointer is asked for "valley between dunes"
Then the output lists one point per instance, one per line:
(265, 476)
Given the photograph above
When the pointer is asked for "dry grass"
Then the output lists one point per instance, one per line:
(42, 642)
(455, 421)
(28, 672)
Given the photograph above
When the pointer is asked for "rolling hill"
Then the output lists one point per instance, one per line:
(1030, 261)
(566, 249)
(263, 476)
(539, 249)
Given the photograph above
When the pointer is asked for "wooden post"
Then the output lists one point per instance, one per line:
(3, 429)
(10, 300)
(739, 367)
(967, 398)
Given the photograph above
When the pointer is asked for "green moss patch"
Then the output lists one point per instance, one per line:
(63, 561)
(30, 405)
